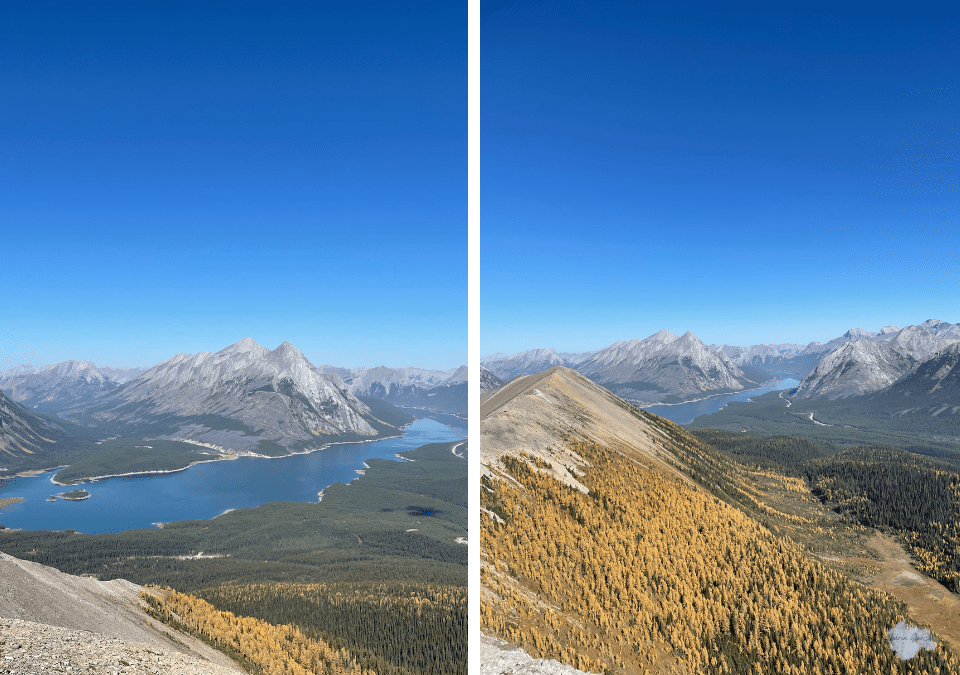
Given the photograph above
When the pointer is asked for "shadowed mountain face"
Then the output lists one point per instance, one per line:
(235, 399)
(25, 436)
(664, 368)
(931, 389)
(488, 381)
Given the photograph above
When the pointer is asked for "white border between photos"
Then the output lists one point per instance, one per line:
(473, 329)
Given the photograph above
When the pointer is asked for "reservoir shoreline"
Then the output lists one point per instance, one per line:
(140, 499)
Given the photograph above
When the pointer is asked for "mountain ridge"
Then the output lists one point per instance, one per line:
(237, 398)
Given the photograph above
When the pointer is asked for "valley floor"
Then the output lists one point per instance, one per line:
(928, 601)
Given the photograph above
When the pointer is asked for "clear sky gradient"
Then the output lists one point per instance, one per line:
(771, 175)
(176, 176)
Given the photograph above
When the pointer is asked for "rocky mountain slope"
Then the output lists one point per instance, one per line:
(855, 368)
(537, 414)
(764, 361)
(60, 620)
(242, 398)
(664, 368)
(450, 398)
(121, 375)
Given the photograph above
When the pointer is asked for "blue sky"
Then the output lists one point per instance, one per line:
(771, 175)
(176, 176)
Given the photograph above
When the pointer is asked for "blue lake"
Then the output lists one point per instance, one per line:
(204, 490)
(684, 413)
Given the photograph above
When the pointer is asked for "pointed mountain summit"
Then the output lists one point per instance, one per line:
(288, 353)
(664, 368)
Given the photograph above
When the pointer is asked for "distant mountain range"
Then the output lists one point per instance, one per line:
(660, 368)
(436, 390)
(54, 387)
(923, 401)
(244, 398)
(240, 398)
(664, 368)
(529, 362)
(71, 385)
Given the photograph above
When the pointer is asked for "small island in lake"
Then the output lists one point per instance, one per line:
(7, 501)
(73, 496)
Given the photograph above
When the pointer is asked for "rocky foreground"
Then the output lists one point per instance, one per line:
(498, 657)
(29, 647)
(56, 622)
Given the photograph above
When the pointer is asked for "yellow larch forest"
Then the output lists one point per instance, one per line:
(647, 574)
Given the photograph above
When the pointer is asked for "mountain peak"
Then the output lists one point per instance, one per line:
(285, 347)
(288, 352)
(244, 346)
(663, 334)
